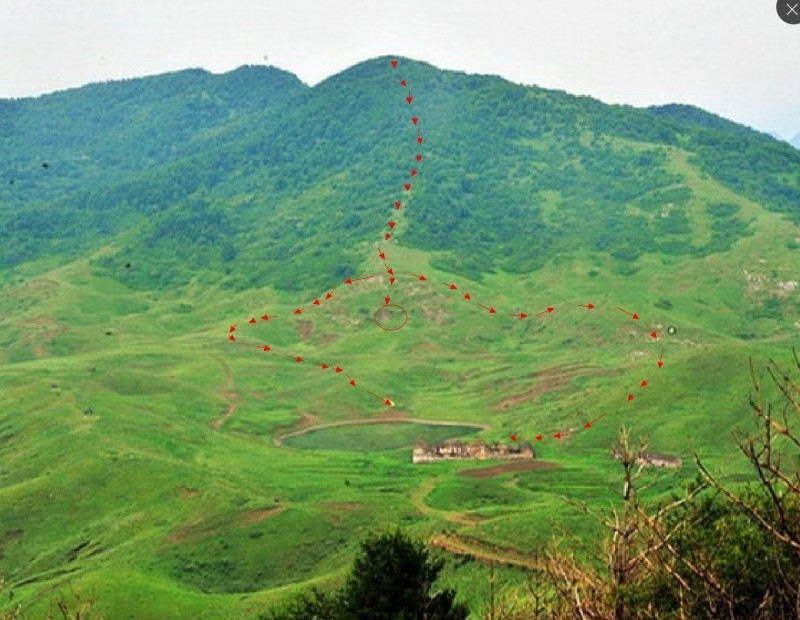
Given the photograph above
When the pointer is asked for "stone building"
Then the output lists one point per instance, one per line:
(479, 450)
(653, 459)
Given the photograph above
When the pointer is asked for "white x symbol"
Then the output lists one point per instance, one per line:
(792, 10)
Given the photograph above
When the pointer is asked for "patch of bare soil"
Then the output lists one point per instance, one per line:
(305, 329)
(43, 322)
(327, 339)
(391, 414)
(437, 314)
(33, 292)
(505, 468)
(198, 529)
(12, 535)
(426, 347)
(185, 491)
(306, 420)
(547, 380)
(335, 512)
(483, 551)
(342, 506)
(40, 332)
(252, 517)
(228, 394)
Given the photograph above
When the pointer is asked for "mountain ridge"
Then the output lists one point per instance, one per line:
(122, 277)
(540, 157)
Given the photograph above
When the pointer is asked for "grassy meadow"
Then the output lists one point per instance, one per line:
(158, 506)
(141, 451)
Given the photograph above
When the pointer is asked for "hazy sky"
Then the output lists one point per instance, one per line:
(733, 57)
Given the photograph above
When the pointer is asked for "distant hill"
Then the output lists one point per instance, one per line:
(140, 451)
(156, 165)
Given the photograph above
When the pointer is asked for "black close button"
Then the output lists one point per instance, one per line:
(789, 11)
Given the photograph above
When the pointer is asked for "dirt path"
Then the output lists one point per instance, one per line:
(417, 499)
(484, 552)
(196, 530)
(505, 468)
(278, 440)
(227, 392)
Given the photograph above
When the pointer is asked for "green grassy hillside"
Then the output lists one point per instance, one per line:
(138, 445)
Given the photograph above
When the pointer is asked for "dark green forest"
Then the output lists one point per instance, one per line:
(212, 167)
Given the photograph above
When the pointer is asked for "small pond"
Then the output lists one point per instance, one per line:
(377, 437)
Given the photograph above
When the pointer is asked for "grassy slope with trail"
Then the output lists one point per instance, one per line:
(161, 512)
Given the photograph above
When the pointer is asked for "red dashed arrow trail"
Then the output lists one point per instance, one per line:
(391, 227)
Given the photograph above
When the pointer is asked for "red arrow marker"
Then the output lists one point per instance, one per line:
(660, 363)
(299, 311)
(630, 397)
(403, 83)
(253, 320)
(351, 280)
(232, 329)
(589, 424)
(644, 384)
(397, 205)
(296, 359)
(633, 316)
(407, 186)
(419, 138)
(232, 338)
(521, 315)
(394, 63)
(267, 317)
(387, 236)
(414, 119)
(392, 224)
(559, 435)
(329, 295)
(352, 381)
(266, 348)
(316, 302)
(513, 438)
(381, 254)
(539, 438)
(409, 98)
(491, 310)
(419, 157)
(323, 365)
(413, 172)
(466, 296)
(392, 280)
(390, 271)
(549, 310)
(421, 278)
(652, 333)
(452, 286)
(386, 300)
(385, 400)
(337, 369)
(589, 306)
